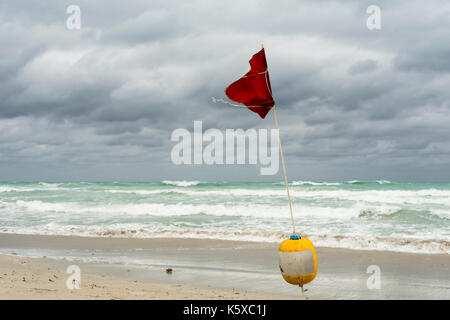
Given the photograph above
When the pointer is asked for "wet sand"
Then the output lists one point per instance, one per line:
(125, 268)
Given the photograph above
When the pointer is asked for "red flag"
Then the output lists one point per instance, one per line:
(253, 89)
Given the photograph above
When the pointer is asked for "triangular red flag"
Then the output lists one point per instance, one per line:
(253, 89)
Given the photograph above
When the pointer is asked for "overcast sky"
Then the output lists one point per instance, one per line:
(100, 103)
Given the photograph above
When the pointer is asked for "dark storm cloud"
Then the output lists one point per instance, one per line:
(101, 102)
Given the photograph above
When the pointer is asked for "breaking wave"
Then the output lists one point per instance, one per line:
(181, 183)
(378, 215)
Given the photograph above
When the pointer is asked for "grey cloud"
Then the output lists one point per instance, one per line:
(430, 59)
(153, 25)
(101, 102)
(363, 67)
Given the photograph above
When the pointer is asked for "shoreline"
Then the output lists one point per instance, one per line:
(127, 241)
(215, 268)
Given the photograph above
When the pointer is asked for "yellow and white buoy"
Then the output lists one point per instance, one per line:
(298, 260)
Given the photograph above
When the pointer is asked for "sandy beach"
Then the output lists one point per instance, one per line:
(34, 267)
(44, 279)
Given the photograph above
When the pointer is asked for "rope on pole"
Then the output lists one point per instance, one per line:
(284, 169)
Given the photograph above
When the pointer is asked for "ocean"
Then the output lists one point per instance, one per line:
(379, 215)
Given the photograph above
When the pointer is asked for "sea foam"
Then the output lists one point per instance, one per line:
(366, 215)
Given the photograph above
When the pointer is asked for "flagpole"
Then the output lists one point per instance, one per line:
(282, 163)
(284, 169)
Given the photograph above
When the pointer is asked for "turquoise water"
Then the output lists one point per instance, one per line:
(378, 215)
